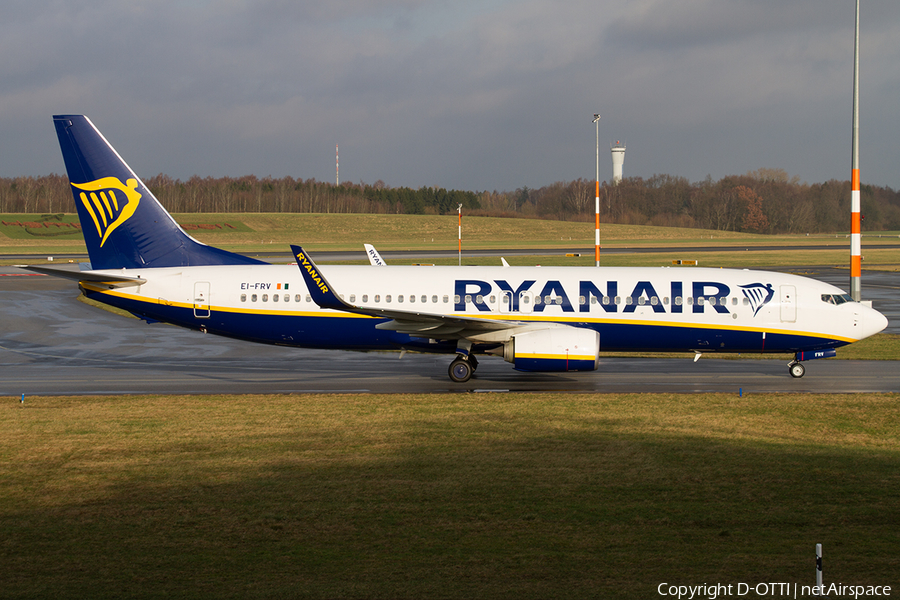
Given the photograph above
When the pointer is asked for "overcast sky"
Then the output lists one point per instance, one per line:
(474, 95)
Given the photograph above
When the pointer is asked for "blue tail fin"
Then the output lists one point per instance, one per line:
(123, 224)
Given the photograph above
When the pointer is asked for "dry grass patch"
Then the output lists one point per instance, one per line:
(451, 496)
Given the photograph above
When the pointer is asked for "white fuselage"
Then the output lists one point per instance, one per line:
(666, 309)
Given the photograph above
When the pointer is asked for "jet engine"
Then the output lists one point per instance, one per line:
(554, 349)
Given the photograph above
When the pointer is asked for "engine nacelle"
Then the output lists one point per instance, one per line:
(555, 349)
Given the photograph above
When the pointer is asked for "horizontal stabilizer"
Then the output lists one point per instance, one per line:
(92, 276)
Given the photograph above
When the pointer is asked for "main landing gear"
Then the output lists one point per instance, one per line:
(462, 367)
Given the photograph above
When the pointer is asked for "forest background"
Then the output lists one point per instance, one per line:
(761, 201)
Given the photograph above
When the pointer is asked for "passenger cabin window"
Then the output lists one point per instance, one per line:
(297, 298)
(243, 297)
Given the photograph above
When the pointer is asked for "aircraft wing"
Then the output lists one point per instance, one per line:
(411, 322)
(92, 276)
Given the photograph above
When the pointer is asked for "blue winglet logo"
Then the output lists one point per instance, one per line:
(109, 202)
(758, 295)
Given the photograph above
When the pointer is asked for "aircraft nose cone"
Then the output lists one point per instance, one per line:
(873, 322)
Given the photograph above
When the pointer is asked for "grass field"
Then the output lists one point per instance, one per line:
(445, 496)
(250, 232)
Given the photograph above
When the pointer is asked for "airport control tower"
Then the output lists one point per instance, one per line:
(618, 158)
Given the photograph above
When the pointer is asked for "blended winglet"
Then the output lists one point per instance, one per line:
(374, 258)
(321, 291)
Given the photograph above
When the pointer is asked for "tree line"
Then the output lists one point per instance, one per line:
(762, 201)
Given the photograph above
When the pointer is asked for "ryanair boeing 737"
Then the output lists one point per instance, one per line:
(538, 319)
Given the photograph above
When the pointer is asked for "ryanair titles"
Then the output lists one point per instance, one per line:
(644, 294)
(314, 277)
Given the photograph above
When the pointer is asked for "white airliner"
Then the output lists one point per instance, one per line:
(539, 319)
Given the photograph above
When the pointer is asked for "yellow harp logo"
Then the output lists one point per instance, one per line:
(109, 202)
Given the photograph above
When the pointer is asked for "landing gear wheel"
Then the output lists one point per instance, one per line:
(473, 362)
(797, 370)
(460, 370)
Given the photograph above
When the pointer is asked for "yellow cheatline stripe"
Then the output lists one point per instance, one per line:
(518, 318)
(565, 320)
(557, 356)
(249, 311)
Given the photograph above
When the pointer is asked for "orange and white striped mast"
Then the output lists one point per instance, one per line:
(597, 198)
(855, 221)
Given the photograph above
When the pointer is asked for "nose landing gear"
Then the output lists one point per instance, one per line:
(796, 368)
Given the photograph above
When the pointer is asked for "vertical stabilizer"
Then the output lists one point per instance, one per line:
(123, 224)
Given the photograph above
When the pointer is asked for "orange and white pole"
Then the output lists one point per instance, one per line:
(855, 220)
(597, 198)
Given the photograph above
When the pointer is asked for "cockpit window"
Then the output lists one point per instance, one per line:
(836, 298)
